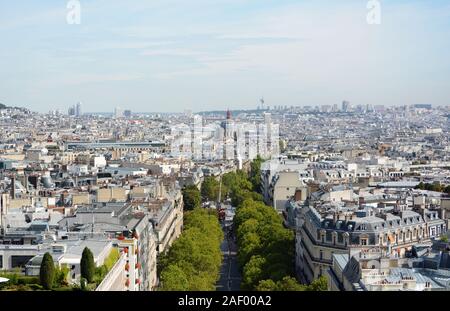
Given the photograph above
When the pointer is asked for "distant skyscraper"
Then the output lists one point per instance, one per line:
(326, 108)
(78, 111)
(71, 111)
(262, 103)
(127, 113)
(345, 106)
(118, 112)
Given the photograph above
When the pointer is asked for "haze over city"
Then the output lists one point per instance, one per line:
(168, 56)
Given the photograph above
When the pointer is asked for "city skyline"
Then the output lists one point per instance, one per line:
(168, 56)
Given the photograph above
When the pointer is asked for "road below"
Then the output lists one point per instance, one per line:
(230, 277)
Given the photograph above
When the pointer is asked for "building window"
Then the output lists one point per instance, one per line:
(363, 241)
(321, 255)
(433, 232)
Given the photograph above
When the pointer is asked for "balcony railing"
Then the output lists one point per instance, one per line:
(111, 278)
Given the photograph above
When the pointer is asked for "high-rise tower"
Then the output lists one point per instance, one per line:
(78, 111)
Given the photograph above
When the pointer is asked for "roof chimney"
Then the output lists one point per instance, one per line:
(298, 195)
(13, 187)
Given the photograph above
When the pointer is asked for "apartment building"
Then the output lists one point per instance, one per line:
(325, 230)
(374, 270)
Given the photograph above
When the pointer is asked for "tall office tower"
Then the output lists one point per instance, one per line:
(78, 112)
(127, 113)
(71, 111)
(268, 131)
(197, 136)
(118, 112)
(251, 141)
(262, 103)
(345, 106)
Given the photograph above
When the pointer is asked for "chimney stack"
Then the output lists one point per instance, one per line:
(298, 195)
(13, 187)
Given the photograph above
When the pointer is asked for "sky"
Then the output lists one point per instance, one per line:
(172, 55)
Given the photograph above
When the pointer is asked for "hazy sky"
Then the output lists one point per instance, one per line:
(171, 55)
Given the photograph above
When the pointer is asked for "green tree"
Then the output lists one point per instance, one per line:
(191, 198)
(249, 246)
(289, 284)
(196, 253)
(447, 189)
(421, 186)
(320, 284)
(210, 189)
(266, 249)
(47, 271)
(61, 274)
(255, 173)
(267, 286)
(174, 279)
(112, 258)
(87, 265)
(83, 284)
(253, 272)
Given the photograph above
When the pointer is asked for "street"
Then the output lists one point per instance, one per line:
(230, 278)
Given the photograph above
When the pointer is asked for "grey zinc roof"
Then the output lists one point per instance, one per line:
(352, 270)
(341, 260)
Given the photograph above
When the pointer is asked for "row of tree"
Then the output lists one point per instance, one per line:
(239, 188)
(236, 185)
(434, 187)
(191, 198)
(266, 249)
(193, 262)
